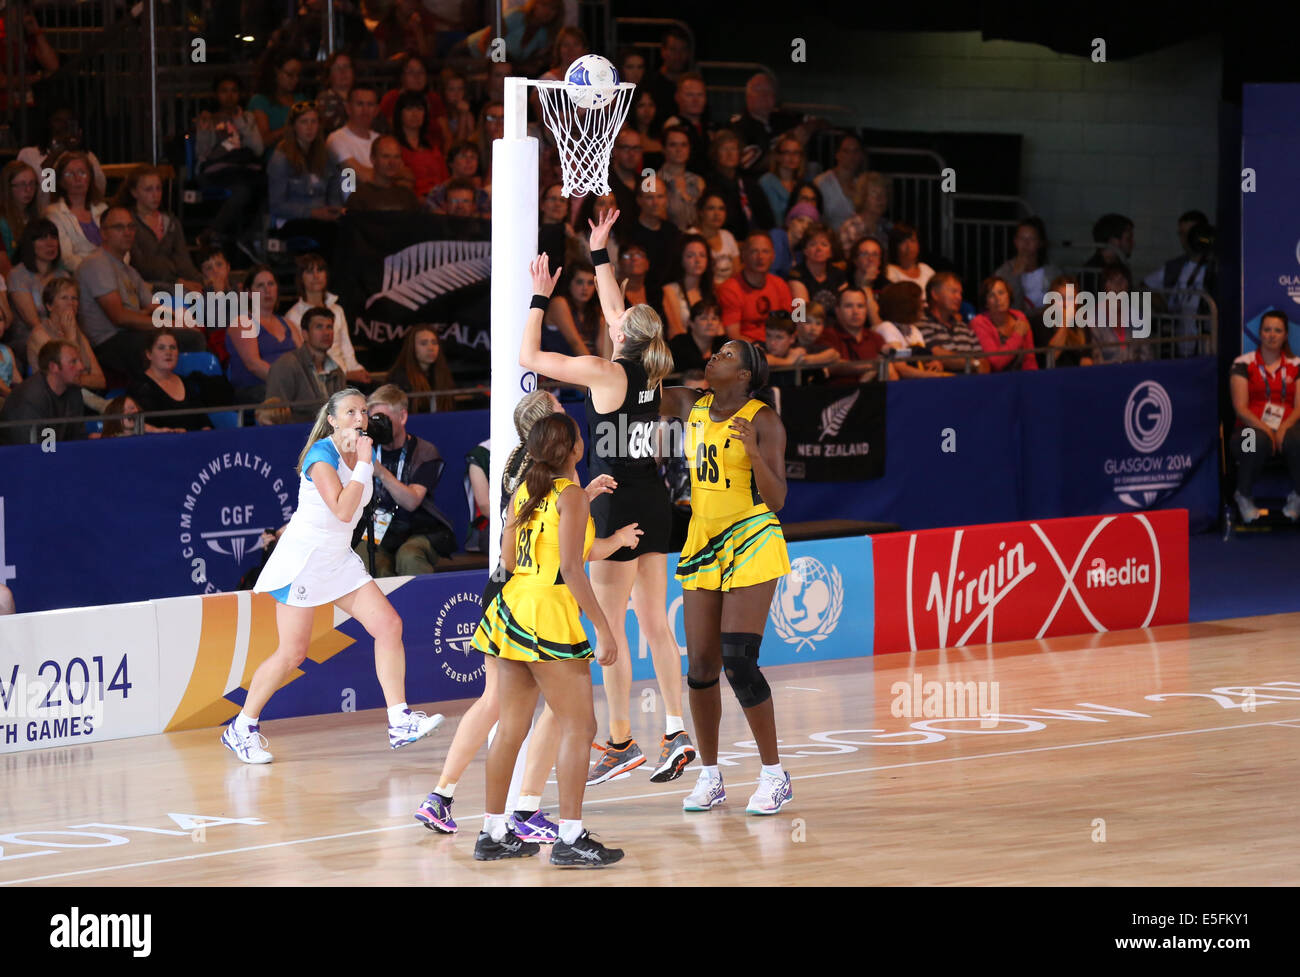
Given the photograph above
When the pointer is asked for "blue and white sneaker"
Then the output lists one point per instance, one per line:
(773, 793)
(708, 793)
(435, 814)
(414, 726)
(251, 747)
(537, 828)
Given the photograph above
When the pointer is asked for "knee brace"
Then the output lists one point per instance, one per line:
(695, 683)
(740, 663)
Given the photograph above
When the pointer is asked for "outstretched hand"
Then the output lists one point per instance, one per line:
(600, 231)
(543, 280)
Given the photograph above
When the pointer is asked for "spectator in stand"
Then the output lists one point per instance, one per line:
(854, 341)
(407, 28)
(1003, 331)
(748, 298)
(809, 341)
(703, 337)
(159, 388)
(421, 156)
(783, 349)
(1113, 235)
(39, 262)
(458, 124)
(943, 329)
(631, 67)
(654, 233)
(905, 264)
(460, 196)
(726, 254)
(570, 45)
(413, 79)
(691, 284)
(684, 187)
(786, 166)
(214, 266)
(415, 533)
(45, 60)
(625, 176)
(836, 185)
(555, 235)
(634, 274)
(575, 314)
(65, 136)
(303, 33)
(124, 427)
(674, 61)
(1189, 272)
(312, 280)
(787, 241)
(642, 120)
(747, 208)
(529, 33)
(18, 184)
(382, 191)
(62, 300)
(491, 126)
(158, 251)
(1027, 272)
(117, 303)
(77, 208)
(332, 100)
(307, 373)
(1072, 343)
(276, 96)
(900, 311)
(303, 186)
(866, 271)
(820, 274)
(1113, 319)
(53, 391)
(228, 154)
(871, 203)
(420, 368)
(692, 101)
(465, 169)
(498, 72)
(1265, 387)
(252, 355)
(349, 147)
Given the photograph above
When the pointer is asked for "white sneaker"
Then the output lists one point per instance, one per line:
(708, 793)
(250, 747)
(1292, 508)
(1247, 508)
(414, 726)
(773, 793)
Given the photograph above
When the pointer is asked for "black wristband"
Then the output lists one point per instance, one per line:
(539, 302)
(600, 256)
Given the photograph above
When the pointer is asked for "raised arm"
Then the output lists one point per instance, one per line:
(611, 296)
(586, 371)
(678, 401)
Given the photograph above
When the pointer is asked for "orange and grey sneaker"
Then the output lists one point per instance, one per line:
(614, 762)
(675, 752)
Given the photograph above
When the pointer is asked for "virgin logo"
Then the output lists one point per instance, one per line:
(1025, 580)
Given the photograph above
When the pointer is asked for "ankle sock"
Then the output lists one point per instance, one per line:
(495, 826)
(570, 831)
(397, 713)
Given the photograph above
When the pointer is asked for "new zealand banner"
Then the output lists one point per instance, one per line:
(395, 270)
(833, 434)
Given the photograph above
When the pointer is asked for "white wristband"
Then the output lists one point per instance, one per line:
(363, 473)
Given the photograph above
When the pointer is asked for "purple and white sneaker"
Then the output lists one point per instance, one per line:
(435, 814)
(708, 793)
(538, 828)
(773, 794)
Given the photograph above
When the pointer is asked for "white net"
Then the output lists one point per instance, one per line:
(584, 137)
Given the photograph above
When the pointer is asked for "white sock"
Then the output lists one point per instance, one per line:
(673, 725)
(243, 721)
(528, 802)
(713, 772)
(495, 826)
(447, 792)
(570, 830)
(774, 771)
(396, 713)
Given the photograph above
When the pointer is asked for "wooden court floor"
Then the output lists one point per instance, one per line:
(1128, 758)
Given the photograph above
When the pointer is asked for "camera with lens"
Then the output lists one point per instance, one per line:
(380, 430)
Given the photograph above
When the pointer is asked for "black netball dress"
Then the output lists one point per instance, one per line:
(624, 444)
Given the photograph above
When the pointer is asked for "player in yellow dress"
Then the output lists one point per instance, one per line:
(534, 630)
(734, 554)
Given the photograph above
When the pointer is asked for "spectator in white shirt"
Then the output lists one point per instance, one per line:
(349, 147)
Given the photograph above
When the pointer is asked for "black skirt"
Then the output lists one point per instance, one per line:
(642, 500)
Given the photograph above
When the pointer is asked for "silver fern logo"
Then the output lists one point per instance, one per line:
(833, 415)
(424, 271)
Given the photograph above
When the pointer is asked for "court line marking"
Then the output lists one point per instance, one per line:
(1295, 725)
(799, 688)
(637, 797)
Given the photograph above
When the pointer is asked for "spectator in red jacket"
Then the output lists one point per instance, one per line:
(1002, 330)
(749, 297)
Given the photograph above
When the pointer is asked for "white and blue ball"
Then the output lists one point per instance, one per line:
(592, 81)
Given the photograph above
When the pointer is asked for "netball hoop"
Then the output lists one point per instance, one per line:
(583, 119)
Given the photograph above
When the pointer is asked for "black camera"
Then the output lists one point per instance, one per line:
(1200, 240)
(380, 430)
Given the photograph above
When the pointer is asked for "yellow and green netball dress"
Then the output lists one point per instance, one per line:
(535, 617)
(734, 539)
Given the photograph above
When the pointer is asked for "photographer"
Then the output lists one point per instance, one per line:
(1193, 270)
(410, 533)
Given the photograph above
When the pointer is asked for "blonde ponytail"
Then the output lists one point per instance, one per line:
(644, 342)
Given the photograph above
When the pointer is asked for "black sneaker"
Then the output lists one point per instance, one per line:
(586, 852)
(511, 846)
